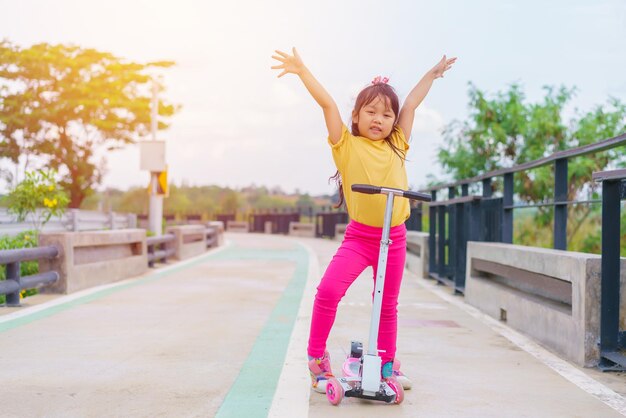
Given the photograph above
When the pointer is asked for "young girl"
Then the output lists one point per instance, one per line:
(372, 152)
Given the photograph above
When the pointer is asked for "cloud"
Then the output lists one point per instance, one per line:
(428, 120)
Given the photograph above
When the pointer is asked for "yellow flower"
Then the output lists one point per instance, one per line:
(26, 237)
(46, 201)
(51, 187)
(54, 202)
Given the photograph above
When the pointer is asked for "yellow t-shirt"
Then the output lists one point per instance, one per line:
(364, 161)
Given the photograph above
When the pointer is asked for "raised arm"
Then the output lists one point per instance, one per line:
(415, 97)
(293, 64)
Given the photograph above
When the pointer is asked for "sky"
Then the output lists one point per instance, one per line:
(240, 125)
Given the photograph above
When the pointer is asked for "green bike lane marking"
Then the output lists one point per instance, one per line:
(252, 392)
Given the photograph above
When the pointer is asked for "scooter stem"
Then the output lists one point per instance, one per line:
(372, 348)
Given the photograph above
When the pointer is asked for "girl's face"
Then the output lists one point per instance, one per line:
(375, 119)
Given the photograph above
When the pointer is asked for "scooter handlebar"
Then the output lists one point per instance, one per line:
(366, 188)
(424, 197)
(369, 189)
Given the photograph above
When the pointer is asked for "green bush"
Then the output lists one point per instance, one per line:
(26, 239)
(39, 197)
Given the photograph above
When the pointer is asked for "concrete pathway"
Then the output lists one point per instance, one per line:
(225, 335)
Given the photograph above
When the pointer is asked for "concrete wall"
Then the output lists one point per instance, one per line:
(189, 241)
(571, 330)
(300, 229)
(417, 252)
(94, 258)
(237, 226)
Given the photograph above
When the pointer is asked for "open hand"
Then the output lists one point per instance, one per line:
(290, 63)
(442, 66)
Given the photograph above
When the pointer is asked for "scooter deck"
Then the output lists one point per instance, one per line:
(385, 394)
(377, 397)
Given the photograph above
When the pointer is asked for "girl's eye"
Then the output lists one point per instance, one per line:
(369, 112)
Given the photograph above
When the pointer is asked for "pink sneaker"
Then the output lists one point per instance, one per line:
(320, 372)
(400, 377)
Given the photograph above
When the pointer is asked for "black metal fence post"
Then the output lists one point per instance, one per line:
(461, 246)
(432, 230)
(487, 190)
(560, 204)
(13, 274)
(451, 241)
(441, 250)
(611, 339)
(609, 327)
(420, 215)
(414, 223)
(475, 215)
(507, 222)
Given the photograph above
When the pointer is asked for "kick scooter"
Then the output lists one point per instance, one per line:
(362, 372)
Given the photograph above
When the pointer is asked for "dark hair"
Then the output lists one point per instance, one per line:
(365, 97)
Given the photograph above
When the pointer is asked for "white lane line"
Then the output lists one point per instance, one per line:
(26, 311)
(291, 398)
(577, 377)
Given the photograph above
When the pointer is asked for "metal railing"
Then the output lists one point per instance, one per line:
(325, 219)
(160, 248)
(487, 218)
(414, 223)
(326, 222)
(612, 339)
(279, 221)
(71, 220)
(14, 284)
(11, 259)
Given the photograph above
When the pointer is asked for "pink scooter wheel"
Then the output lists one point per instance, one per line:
(396, 387)
(334, 391)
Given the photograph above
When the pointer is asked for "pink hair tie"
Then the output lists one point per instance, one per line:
(380, 80)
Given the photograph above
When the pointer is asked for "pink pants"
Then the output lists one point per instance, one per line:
(360, 249)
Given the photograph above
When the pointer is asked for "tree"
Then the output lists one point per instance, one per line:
(178, 202)
(229, 201)
(505, 130)
(305, 201)
(63, 102)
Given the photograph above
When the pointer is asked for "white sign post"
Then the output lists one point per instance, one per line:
(153, 160)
